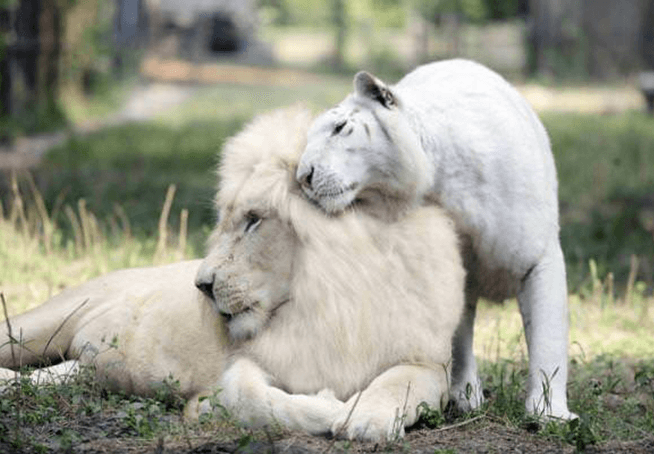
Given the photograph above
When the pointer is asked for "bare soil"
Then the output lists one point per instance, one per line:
(112, 433)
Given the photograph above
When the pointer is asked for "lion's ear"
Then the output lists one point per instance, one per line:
(368, 86)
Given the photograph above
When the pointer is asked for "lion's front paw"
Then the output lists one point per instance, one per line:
(369, 424)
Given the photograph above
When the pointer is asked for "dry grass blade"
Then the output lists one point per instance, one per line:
(460, 424)
(124, 221)
(77, 228)
(163, 221)
(42, 212)
(631, 280)
(11, 336)
(18, 209)
(12, 340)
(344, 425)
(398, 424)
(183, 232)
(84, 221)
(61, 325)
(58, 203)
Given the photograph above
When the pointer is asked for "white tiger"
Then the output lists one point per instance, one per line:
(456, 134)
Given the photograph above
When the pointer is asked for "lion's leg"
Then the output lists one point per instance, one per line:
(246, 391)
(53, 375)
(466, 390)
(40, 336)
(544, 308)
(391, 402)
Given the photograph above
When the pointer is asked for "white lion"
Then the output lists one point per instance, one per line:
(457, 134)
(351, 304)
(314, 310)
(138, 327)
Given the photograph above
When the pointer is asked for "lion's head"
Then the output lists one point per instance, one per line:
(364, 151)
(247, 271)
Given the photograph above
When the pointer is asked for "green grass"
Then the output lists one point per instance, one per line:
(606, 190)
(60, 418)
(132, 166)
(611, 373)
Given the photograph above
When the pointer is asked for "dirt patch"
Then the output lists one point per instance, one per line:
(113, 432)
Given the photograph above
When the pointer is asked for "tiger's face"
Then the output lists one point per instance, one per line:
(347, 154)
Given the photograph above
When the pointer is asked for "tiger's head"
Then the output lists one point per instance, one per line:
(363, 152)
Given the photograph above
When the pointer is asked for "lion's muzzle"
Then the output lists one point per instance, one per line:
(227, 293)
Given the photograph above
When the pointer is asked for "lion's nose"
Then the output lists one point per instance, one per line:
(305, 176)
(204, 283)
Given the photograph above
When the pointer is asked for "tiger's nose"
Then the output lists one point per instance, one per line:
(305, 176)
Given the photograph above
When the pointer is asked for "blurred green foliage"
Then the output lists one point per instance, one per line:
(386, 13)
(606, 188)
(132, 166)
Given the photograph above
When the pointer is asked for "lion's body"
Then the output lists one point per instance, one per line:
(456, 134)
(137, 326)
(365, 297)
(303, 310)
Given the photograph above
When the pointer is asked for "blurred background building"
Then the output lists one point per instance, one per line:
(82, 44)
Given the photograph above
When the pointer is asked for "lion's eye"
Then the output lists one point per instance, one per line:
(252, 221)
(339, 127)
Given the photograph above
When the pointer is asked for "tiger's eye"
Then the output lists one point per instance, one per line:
(339, 127)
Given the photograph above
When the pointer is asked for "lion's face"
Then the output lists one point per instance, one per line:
(347, 153)
(247, 272)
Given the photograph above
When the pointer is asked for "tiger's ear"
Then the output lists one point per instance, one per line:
(368, 86)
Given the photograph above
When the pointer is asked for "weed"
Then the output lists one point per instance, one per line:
(504, 383)
(578, 432)
(143, 417)
(431, 417)
(168, 393)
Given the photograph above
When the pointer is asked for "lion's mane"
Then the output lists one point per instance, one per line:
(365, 294)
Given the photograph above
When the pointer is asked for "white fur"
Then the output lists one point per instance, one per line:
(367, 309)
(317, 309)
(486, 159)
(137, 326)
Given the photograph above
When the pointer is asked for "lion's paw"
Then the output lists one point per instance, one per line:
(7, 377)
(369, 424)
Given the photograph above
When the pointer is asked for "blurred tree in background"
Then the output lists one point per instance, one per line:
(48, 46)
(29, 69)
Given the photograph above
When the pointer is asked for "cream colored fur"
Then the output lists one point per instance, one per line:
(456, 134)
(308, 311)
(137, 326)
(368, 309)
